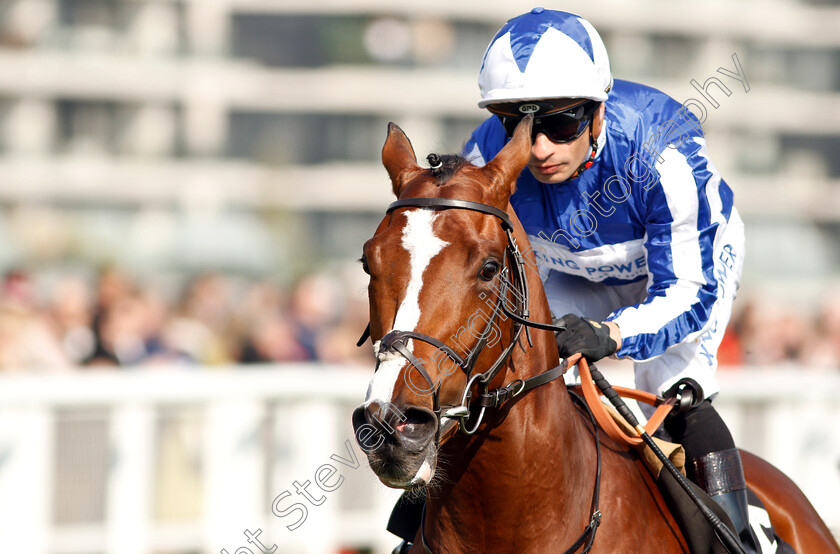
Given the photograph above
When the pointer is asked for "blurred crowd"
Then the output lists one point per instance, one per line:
(214, 319)
(764, 332)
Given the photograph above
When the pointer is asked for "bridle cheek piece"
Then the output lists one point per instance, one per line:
(396, 341)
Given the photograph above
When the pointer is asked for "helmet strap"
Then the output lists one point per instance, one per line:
(593, 146)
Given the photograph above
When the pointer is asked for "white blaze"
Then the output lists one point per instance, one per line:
(419, 239)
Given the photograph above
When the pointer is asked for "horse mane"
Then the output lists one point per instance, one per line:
(444, 166)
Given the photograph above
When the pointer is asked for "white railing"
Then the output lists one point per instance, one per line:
(179, 460)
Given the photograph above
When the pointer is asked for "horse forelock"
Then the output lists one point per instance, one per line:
(449, 165)
(454, 177)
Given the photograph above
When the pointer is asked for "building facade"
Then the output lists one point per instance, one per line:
(245, 134)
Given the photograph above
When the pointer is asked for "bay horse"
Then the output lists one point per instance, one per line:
(524, 474)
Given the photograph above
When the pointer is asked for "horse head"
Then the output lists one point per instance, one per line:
(444, 270)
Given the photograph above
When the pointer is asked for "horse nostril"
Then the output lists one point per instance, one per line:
(418, 424)
(411, 427)
(359, 418)
(381, 416)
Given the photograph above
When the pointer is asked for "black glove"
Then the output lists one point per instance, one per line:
(590, 338)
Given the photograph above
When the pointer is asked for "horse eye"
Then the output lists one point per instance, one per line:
(488, 270)
(365, 266)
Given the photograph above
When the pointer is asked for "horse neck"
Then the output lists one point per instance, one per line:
(535, 443)
(527, 473)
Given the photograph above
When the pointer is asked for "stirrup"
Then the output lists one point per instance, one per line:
(686, 393)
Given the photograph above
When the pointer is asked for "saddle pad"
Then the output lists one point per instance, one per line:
(696, 531)
(675, 452)
(768, 540)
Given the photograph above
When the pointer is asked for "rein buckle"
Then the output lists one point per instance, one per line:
(497, 397)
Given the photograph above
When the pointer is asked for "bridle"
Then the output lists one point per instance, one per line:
(511, 280)
(395, 341)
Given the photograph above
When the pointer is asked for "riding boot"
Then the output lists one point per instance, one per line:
(721, 475)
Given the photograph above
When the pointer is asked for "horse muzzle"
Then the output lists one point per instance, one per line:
(399, 442)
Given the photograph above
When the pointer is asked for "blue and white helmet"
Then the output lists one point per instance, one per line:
(544, 54)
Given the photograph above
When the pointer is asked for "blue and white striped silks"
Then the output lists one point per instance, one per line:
(653, 206)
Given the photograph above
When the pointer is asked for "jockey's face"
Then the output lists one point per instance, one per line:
(553, 162)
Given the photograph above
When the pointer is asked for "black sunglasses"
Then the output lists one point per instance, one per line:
(559, 127)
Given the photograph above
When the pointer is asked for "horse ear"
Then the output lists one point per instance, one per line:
(398, 158)
(510, 161)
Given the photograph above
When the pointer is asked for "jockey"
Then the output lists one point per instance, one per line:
(633, 228)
